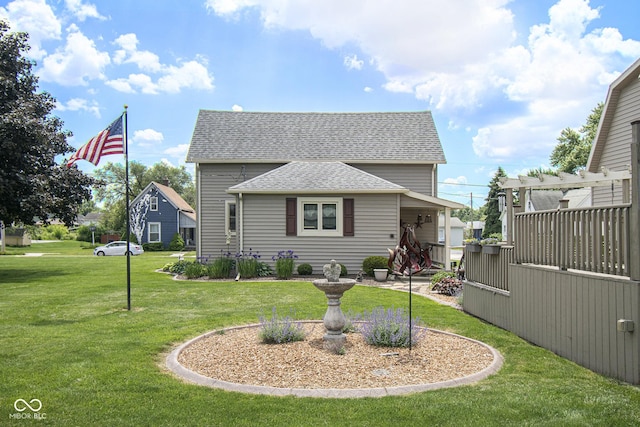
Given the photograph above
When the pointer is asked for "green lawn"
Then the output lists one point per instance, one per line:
(67, 339)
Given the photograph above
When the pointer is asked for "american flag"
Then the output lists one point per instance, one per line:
(109, 141)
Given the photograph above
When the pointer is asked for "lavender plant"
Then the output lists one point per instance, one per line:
(390, 328)
(278, 330)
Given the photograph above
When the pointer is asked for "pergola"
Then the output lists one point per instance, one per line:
(563, 180)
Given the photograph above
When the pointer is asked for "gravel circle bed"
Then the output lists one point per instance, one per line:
(237, 356)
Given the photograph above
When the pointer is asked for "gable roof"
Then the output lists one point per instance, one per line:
(544, 200)
(629, 76)
(316, 177)
(170, 194)
(256, 137)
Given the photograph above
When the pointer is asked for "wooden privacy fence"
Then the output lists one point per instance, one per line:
(594, 239)
(489, 269)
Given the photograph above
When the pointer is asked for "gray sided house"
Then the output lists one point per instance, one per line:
(324, 185)
(165, 213)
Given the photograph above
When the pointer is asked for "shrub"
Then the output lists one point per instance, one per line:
(263, 269)
(389, 328)
(220, 268)
(441, 275)
(451, 286)
(285, 261)
(193, 270)
(350, 322)
(343, 270)
(153, 247)
(305, 269)
(372, 262)
(278, 330)
(179, 267)
(177, 243)
(247, 264)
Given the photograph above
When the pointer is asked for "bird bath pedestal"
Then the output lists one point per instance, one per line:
(334, 319)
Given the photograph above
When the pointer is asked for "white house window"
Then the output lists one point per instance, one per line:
(230, 216)
(154, 232)
(153, 204)
(319, 216)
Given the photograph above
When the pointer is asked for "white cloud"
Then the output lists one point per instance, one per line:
(147, 137)
(463, 57)
(36, 18)
(173, 78)
(368, 89)
(178, 151)
(237, 107)
(353, 63)
(77, 62)
(79, 104)
(82, 11)
(455, 181)
(128, 53)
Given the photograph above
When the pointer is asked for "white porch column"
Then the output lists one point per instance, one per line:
(447, 238)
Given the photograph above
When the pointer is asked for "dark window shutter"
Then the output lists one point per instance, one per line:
(291, 216)
(347, 218)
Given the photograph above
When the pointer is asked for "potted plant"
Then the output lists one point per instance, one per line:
(380, 274)
(490, 246)
(472, 245)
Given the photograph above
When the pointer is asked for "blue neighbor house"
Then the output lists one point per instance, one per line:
(158, 213)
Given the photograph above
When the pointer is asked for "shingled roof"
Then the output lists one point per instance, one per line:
(316, 177)
(253, 137)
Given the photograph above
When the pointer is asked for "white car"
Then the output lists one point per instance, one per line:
(118, 248)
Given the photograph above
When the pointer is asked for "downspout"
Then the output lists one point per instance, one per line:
(240, 222)
(198, 210)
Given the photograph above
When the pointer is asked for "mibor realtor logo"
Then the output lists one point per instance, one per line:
(28, 410)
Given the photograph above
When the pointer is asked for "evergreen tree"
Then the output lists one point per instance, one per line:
(492, 223)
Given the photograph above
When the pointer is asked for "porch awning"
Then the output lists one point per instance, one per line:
(187, 219)
(411, 199)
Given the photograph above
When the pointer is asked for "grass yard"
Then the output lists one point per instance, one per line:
(67, 339)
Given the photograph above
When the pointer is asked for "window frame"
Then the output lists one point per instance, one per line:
(319, 202)
(159, 224)
(227, 217)
(153, 203)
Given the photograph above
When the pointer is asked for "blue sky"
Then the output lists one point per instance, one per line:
(502, 78)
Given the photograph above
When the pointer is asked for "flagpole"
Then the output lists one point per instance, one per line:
(126, 168)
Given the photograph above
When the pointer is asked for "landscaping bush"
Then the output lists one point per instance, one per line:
(285, 261)
(305, 269)
(220, 268)
(372, 262)
(193, 270)
(389, 328)
(450, 286)
(247, 264)
(153, 247)
(83, 234)
(179, 267)
(343, 270)
(263, 269)
(278, 330)
(441, 275)
(177, 243)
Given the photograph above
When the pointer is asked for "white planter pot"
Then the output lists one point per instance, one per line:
(380, 274)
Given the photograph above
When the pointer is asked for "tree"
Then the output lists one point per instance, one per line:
(492, 223)
(32, 185)
(574, 147)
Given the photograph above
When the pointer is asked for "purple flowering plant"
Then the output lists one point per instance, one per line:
(285, 262)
